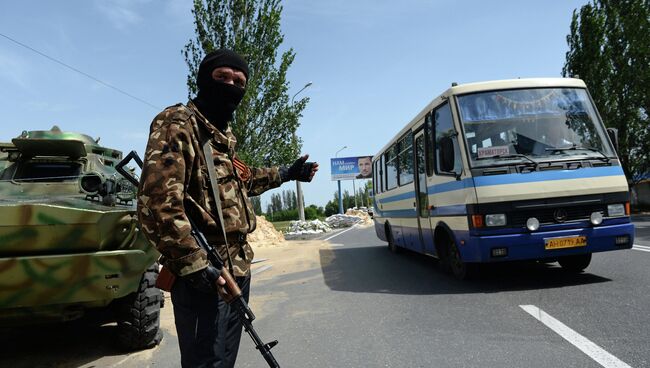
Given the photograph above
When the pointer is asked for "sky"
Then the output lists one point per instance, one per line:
(373, 64)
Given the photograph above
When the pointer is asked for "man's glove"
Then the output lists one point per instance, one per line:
(300, 170)
(204, 280)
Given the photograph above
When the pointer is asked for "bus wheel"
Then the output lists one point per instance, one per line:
(391, 241)
(461, 270)
(576, 263)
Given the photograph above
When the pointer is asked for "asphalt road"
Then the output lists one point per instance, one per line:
(367, 307)
(358, 305)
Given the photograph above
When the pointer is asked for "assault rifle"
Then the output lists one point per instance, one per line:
(235, 298)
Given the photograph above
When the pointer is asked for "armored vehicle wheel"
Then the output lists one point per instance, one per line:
(138, 314)
(576, 263)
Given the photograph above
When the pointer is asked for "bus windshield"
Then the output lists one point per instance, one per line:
(540, 124)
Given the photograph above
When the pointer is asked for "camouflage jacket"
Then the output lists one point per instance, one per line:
(175, 184)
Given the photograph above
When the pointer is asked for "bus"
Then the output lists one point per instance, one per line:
(507, 170)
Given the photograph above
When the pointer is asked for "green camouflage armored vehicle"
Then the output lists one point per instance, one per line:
(69, 238)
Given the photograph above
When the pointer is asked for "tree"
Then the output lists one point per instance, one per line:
(609, 48)
(289, 200)
(269, 212)
(332, 207)
(257, 205)
(276, 202)
(266, 121)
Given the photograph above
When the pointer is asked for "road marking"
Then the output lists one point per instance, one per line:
(259, 260)
(337, 234)
(121, 361)
(337, 245)
(594, 351)
(642, 248)
(261, 269)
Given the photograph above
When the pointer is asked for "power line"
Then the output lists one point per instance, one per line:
(82, 73)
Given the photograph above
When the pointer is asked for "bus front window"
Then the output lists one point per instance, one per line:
(541, 123)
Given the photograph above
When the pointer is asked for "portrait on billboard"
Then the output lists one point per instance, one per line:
(364, 163)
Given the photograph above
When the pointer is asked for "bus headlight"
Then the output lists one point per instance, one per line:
(596, 218)
(532, 224)
(615, 210)
(498, 219)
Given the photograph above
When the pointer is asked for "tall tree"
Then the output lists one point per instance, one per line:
(257, 204)
(276, 202)
(609, 48)
(266, 121)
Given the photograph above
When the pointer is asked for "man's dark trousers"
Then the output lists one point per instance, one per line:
(208, 329)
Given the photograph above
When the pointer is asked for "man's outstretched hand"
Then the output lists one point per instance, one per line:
(300, 170)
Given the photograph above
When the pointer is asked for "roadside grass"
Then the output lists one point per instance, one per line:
(281, 225)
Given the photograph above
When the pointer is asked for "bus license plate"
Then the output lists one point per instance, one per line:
(569, 242)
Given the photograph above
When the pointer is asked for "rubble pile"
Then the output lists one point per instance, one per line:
(363, 215)
(265, 234)
(339, 220)
(307, 227)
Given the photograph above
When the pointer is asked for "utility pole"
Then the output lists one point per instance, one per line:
(339, 182)
(299, 198)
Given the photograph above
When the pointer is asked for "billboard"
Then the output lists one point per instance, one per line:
(348, 168)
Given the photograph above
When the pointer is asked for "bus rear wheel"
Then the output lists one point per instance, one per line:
(391, 241)
(576, 263)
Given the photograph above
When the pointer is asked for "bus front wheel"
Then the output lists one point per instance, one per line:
(576, 263)
(461, 270)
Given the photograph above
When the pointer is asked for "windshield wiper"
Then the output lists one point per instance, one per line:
(512, 155)
(575, 147)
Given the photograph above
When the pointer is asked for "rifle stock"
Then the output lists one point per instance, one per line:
(235, 299)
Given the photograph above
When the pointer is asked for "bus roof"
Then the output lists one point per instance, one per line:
(462, 89)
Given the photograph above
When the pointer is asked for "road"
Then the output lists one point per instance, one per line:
(349, 302)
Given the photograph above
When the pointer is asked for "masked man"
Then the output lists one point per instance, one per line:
(175, 187)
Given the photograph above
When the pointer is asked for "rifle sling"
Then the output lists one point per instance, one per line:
(212, 173)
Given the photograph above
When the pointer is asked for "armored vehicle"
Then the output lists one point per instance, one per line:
(69, 237)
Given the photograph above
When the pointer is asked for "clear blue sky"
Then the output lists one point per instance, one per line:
(373, 64)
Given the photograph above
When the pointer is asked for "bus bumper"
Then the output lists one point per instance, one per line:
(531, 245)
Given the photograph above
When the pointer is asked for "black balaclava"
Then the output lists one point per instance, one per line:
(217, 100)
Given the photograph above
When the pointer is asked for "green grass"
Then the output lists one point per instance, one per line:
(281, 225)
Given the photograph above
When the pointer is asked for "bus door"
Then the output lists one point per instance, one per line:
(421, 196)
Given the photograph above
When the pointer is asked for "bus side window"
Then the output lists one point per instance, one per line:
(375, 177)
(391, 158)
(428, 144)
(381, 173)
(406, 159)
(444, 127)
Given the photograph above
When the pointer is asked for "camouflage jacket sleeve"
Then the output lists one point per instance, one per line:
(262, 179)
(168, 159)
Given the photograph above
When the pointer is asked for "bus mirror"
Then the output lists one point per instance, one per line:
(613, 136)
(447, 154)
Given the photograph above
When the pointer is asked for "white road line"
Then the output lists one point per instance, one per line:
(641, 246)
(121, 362)
(344, 231)
(641, 249)
(261, 269)
(594, 351)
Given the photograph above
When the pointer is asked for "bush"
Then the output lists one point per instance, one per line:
(284, 215)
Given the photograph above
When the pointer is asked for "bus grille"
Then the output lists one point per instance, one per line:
(546, 215)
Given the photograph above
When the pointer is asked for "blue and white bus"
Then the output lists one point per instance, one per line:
(505, 170)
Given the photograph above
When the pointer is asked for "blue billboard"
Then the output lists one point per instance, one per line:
(349, 168)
